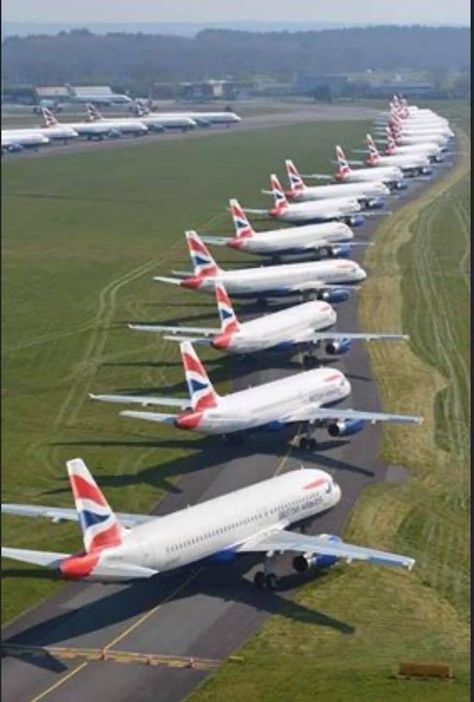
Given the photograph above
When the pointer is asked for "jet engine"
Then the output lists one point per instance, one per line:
(335, 295)
(340, 251)
(337, 348)
(400, 185)
(346, 427)
(355, 220)
(305, 561)
(15, 148)
(375, 203)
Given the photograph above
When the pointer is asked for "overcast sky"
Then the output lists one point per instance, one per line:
(351, 11)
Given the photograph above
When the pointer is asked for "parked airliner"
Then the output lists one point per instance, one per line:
(164, 120)
(90, 130)
(123, 125)
(327, 239)
(308, 398)
(346, 209)
(414, 164)
(429, 148)
(15, 140)
(321, 278)
(254, 519)
(296, 326)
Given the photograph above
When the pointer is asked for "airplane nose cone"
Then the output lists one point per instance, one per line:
(361, 275)
(337, 493)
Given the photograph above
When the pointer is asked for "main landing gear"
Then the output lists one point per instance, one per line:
(310, 361)
(306, 442)
(266, 578)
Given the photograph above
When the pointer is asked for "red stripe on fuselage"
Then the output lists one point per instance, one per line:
(315, 483)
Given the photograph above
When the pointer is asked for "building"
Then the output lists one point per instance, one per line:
(387, 88)
(323, 87)
(208, 90)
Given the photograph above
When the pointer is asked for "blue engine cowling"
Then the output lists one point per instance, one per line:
(346, 427)
(336, 348)
(336, 295)
(222, 557)
(426, 170)
(15, 148)
(341, 251)
(375, 203)
(400, 185)
(303, 562)
(356, 220)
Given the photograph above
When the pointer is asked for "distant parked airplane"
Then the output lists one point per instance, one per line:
(124, 125)
(253, 519)
(114, 99)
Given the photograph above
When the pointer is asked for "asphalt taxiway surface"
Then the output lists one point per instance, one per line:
(187, 622)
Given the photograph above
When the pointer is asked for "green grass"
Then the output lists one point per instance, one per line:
(360, 622)
(82, 237)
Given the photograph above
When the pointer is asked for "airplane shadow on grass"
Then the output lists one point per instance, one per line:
(227, 583)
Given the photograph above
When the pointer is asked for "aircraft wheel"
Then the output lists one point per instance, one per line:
(259, 579)
(312, 444)
(303, 443)
(271, 581)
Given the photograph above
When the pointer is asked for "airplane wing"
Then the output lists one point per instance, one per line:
(177, 330)
(143, 400)
(356, 336)
(314, 413)
(60, 514)
(196, 340)
(334, 244)
(283, 541)
(316, 285)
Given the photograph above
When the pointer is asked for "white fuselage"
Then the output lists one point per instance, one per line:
(168, 120)
(89, 128)
(427, 148)
(278, 329)
(361, 191)
(281, 279)
(59, 131)
(382, 174)
(405, 139)
(268, 404)
(223, 523)
(325, 210)
(125, 126)
(403, 161)
(211, 117)
(23, 137)
(293, 239)
(417, 129)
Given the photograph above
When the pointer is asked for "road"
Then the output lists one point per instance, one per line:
(184, 624)
(301, 114)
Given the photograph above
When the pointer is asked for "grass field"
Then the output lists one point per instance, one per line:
(82, 236)
(370, 621)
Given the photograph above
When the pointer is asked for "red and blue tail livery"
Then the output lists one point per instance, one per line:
(100, 527)
(202, 394)
(242, 226)
(296, 181)
(343, 169)
(281, 203)
(229, 321)
(203, 263)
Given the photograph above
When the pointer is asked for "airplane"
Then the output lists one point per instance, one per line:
(328, 239)
(114, 99)
(408, 127)
(299, 326)
(54, 131)
(124, 125)
(430, 148)
(345, 209)
(307, 398)
(157, 120)
(90, 130)
(320, 279)
(16, 140)
(390, 175)
(203, 119)
(410, 164)
(404, 139)
(254, 519)
(370, 194)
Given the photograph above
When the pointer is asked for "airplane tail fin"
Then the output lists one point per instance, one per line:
(243, 228)
(373, 151)
(100, 527)
(204, 264)
(202, 394)
(229, 321)
(70, 90)
(281, 203)
(297, 184)
(391, 144)
(93, 113)
(343, 168)
(48, 117)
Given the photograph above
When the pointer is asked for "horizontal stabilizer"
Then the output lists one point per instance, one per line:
(48, 559)
(150, 416)
(317, 176)
(197, 341)
(216, 240)
(163, 279)
(143, 400)
(257, 212)
(183, 274)
(59, 514)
